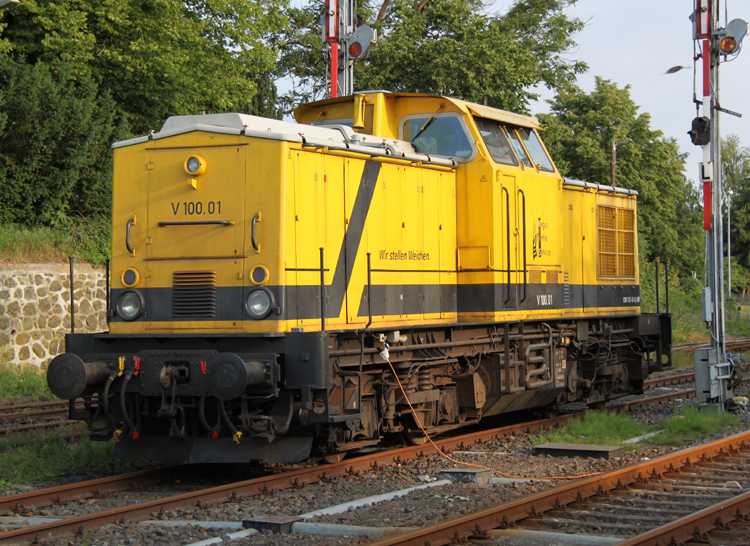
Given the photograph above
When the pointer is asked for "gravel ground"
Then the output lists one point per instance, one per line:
(511, 455)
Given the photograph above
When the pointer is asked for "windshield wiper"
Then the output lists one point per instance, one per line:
(426, 125)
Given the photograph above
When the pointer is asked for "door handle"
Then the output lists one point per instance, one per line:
(131, 222)
(256, 245)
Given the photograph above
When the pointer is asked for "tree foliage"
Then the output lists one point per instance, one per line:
(448, 47)
(156, 57)
(735, 162)
(579, 132)
(54, 149)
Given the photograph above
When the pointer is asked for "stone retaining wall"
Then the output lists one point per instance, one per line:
(35, 309)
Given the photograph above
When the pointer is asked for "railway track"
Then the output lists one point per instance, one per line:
(38, 416)
(675, 498)
(235, 492)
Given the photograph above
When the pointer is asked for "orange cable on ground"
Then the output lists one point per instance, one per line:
(416, 418)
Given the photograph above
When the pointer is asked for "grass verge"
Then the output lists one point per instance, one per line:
(83, 238)
(53, 458)
(39, 244)
(690, 424)
(598, 428)
(23, 381)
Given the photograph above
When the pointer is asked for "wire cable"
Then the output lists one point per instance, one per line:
(416, 418)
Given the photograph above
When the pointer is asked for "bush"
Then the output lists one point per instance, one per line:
(21, 381)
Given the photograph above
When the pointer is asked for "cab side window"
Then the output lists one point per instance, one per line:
(535, 148)
(496, 141)
(518, 147)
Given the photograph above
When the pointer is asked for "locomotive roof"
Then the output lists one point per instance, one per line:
(331, 136)
(467, 107)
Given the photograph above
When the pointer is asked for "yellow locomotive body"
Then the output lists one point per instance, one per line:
(263, 271)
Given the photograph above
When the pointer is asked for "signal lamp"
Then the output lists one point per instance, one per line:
(359, 42)
(355, 49)
(728, 45)
(130, 277)
(195, 165)
(731, 37)
(259, 275)
(700, 133)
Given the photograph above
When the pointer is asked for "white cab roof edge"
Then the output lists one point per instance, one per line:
(338, 137)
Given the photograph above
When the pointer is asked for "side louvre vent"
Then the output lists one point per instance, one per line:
(194, 294)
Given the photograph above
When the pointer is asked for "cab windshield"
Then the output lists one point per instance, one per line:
(439, 134)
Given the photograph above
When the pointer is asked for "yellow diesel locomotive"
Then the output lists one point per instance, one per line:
(272, 283)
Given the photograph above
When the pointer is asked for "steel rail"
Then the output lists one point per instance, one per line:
(505, 515)
(39, 426)
(695, 526)
(81, 490)
(18, 408)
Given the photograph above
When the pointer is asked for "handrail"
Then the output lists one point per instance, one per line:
(131, 222)
(525, 287)
(507, 240)
(256, 246)
(369, 296)
(322, 291)
(199, 223)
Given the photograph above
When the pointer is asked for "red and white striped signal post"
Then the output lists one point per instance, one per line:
(716, 371)
(346, 43)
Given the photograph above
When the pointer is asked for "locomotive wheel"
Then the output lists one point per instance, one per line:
(333, 458)
(414, 437)
(548, 412)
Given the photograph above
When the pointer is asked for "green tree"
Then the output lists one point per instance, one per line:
(735, 164)
(449, 47)
(54, 149)
(579, 132)
(156, 58)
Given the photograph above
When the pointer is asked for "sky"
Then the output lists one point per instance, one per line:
(635, 42)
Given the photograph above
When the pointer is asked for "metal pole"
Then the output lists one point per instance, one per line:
(614, 160)
(656, 277)
(729, 238)
(106, 289)
(72, 299)
(369, 295)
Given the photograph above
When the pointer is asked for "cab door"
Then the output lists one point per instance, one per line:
(195, 234)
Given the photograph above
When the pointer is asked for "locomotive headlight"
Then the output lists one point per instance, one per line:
(195, 165)
(259, 303)
(130, 305)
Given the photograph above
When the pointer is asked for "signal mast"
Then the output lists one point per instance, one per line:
(716, 371)
(345, 43)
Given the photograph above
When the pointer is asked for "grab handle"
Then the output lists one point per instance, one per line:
(525, 287)
(256, 245)
(507, 241)
(131, 222)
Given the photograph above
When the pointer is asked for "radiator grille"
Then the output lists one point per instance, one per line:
(616, 242)
(194, 294)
